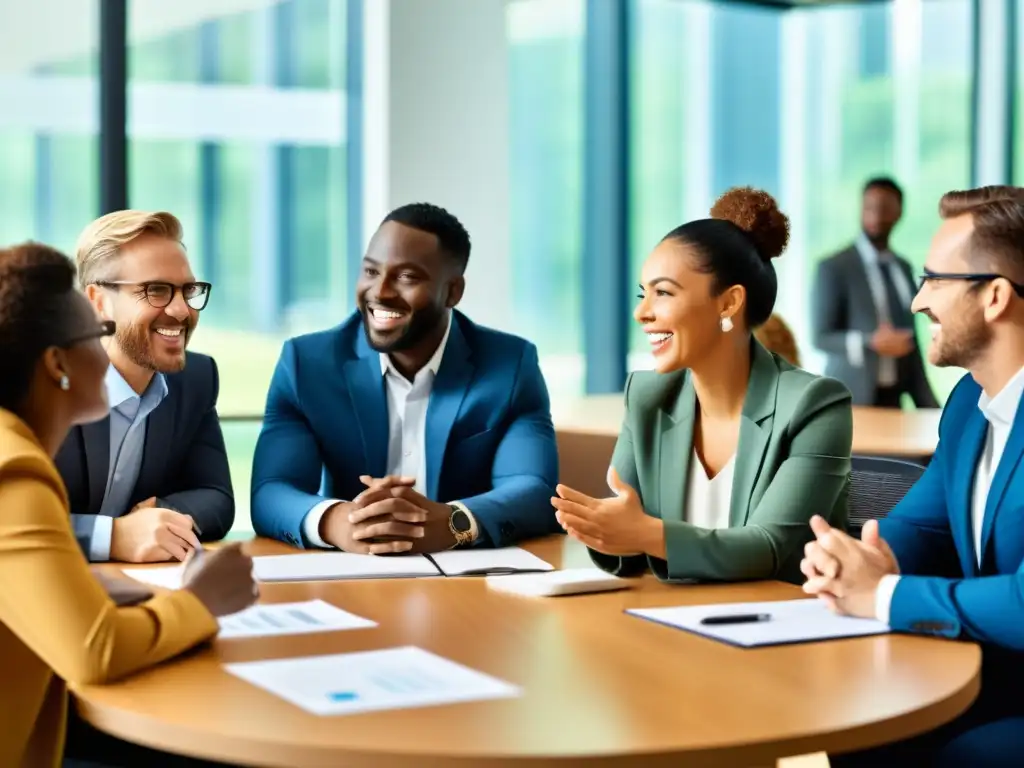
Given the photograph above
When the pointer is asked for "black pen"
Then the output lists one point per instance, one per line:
(737, 618)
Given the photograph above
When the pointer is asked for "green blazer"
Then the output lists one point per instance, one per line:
(792, 462)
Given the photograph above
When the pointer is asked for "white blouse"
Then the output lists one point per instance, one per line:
(708, 501)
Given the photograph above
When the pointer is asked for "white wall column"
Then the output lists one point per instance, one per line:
(993, 100)
(436, 128)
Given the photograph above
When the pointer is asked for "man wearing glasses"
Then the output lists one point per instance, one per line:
(948, 561)
(151, 480)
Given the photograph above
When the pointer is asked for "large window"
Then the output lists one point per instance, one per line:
(807, 104)
(546, 152)
(236, 125)
(49, 121)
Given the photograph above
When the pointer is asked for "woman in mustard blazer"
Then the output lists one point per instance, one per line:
(57, 624)
(727, 450)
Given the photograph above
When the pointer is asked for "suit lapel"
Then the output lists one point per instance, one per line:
(96, 444)
(365, 384)
(971, 444)
(1007, 466)
(755, 430)
(446, 395)
(675, 452)
(160, 434)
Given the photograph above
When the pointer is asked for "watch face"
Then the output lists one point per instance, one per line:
(460, 521)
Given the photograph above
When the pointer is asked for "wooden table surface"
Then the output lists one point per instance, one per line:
(876, 431)
(600, 687)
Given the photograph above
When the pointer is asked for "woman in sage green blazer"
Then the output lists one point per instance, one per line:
(726, 450)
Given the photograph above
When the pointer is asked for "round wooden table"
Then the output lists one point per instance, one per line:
(599, 687)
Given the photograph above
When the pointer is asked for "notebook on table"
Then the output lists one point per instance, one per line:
(323, 566)
(752, 625)
(330, 566)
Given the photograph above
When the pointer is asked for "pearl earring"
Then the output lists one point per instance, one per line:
(726, 324)
(65, 383)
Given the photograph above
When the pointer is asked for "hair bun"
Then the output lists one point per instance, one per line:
(756, 213)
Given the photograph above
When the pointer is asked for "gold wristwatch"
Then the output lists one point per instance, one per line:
(460, 525)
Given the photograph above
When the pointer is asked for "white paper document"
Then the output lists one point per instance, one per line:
(289, 619)
(788, 621)
(166, 576)
(328, 566)
(350, 683)
(481, 562)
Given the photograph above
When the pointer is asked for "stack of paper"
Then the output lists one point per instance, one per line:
(785, 621)
(481, 562)
(167, 576)
(393, 678)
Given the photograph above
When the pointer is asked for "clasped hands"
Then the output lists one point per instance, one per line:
(845, 572)
(389, 517)
(617, 525)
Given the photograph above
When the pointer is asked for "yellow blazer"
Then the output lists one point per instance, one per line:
(57, 624)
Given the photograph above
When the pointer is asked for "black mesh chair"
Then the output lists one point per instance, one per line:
(877, 485)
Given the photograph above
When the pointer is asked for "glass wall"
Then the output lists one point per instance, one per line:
(545, 48)
(236, 125)
(49, 121)
(808, 105)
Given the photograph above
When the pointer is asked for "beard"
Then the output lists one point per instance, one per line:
(421, 324)
(963, 341)
(134, 341)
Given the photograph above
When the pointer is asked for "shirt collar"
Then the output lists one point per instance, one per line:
(433, 364)
(1003, 407)
(119, 391)
(869, 253)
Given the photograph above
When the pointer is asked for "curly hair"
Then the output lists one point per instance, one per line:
(737, 244)
(35, 284)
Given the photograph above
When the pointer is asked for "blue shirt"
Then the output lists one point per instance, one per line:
(129, 413)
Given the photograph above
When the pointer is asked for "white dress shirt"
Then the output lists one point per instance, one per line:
(1000, 412)
(874, 263)
(708, 500)
(407, 434)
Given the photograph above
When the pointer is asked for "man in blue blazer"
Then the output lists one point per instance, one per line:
(407, 427)
(948, 561)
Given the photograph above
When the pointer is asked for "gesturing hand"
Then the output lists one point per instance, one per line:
(616, 525)
(222, 579)
(150, 534)
(845, 572)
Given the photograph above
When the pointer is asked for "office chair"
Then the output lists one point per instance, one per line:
(877, 485)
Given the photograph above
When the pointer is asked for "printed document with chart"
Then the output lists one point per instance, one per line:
(367, 681)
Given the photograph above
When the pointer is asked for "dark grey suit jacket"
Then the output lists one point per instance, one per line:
(842, 302)
(184, 462)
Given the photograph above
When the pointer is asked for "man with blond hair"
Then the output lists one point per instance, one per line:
(151, 481)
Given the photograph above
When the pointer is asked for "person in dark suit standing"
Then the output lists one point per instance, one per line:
(151, 481)
(861, 310)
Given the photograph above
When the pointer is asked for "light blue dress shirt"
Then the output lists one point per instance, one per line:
(128, 416)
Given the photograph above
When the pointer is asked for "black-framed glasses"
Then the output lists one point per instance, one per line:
(104, 329)
(971, 277)
(160, 294)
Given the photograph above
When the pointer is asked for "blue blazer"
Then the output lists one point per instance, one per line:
(943, 591)
(490, 442)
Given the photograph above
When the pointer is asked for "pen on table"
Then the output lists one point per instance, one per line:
(737, 618)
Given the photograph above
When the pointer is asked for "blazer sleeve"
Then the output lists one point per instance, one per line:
(525, 467)
(829, 310)
(47, 579)
(624, 462)
(287, 466)
(821, 435)
(205, 477)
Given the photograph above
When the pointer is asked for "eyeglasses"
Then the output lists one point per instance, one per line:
(973, 277)
(160, 295)
(106, 328)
